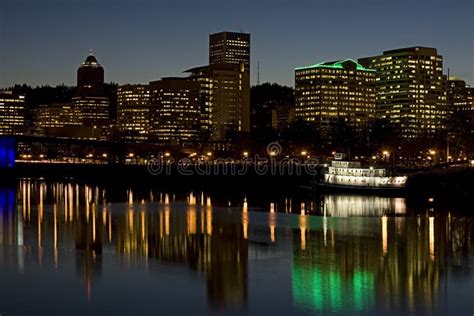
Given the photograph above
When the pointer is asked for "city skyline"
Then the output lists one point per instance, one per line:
(139, 43)
(242, 157)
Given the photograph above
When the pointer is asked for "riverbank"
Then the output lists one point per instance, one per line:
(228, 178)
(453, 186)
(445, 187)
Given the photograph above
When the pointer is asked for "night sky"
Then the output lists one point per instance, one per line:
(44, 41)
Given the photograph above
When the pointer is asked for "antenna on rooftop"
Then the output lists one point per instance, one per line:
(258, 72)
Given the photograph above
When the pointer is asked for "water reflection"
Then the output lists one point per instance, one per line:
(217, 249)
(340, 264)
(403, 270)
(356, 205)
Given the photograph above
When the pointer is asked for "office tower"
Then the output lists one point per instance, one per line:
(133, 112)
(174, 111)
(53, 117)
(234, 49)
(90, 97)
(411, 89)
(460, 96)
(202, 76)
(224, 98)
(90, 78)
(12, 113)
(330, 92)
(230, 48)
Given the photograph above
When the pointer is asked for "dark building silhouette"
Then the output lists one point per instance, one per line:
(90, 78)
(90, 98)
(282, 117)
(268, 99)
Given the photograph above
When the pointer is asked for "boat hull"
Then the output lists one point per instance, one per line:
(385, 190)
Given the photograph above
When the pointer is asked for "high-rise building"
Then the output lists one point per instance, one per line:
(90, 97)
(174, 111)
(460, 96)
(202, 76)
(234, 49)
(12, 113)
(230, 48)
(90, 78)
(224, 99)
(411, 89)
(133, 112)
(330, 92)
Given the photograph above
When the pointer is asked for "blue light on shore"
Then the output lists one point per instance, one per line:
(7, 152)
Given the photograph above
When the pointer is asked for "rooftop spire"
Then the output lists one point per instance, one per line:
(90, 60)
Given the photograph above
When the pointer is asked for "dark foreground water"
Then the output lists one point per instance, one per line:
(67, 249)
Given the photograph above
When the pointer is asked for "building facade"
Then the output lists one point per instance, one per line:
(174, 111)
(12, 113)
(202, 76)
(133, 112)
(90, 96)
(224, 99)
(230, 48)
(63, 120)
(460, 96)
(411, 89)
(57, 115)
(282, 117)
(329, 92)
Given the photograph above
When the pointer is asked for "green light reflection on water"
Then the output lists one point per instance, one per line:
(327, 291)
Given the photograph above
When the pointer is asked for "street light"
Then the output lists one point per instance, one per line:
(431, 158)
(386, 155)
(245, 154)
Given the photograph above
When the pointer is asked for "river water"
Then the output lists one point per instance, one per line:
(76, 249)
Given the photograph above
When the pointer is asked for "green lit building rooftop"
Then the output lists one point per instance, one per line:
(338, 64)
